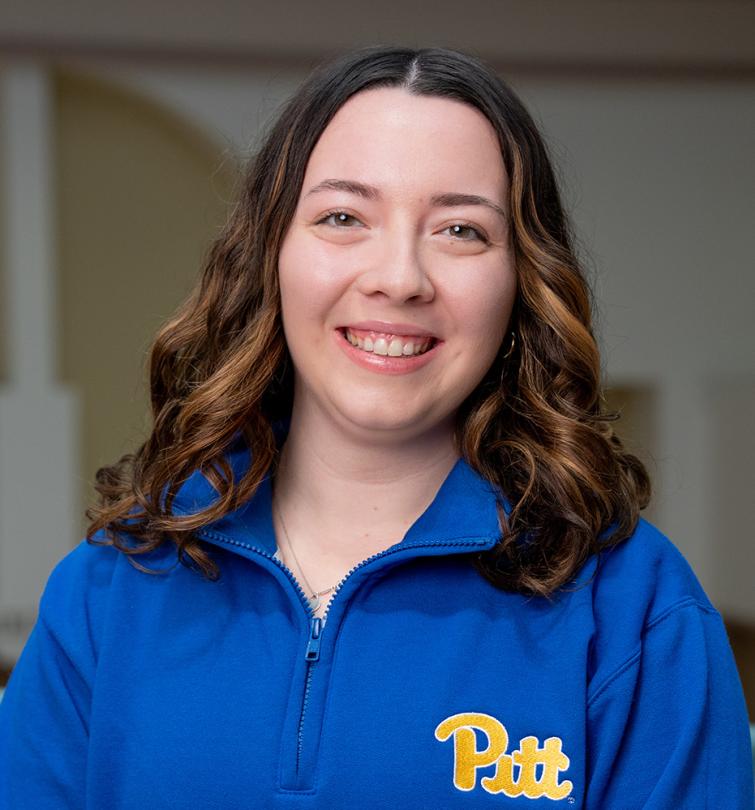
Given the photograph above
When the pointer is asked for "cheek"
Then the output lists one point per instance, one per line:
(483, 305)
(291, 279)
(299, 312)
(308, 282)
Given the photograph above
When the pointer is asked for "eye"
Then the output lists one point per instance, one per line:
(341, 217)
(459, 228)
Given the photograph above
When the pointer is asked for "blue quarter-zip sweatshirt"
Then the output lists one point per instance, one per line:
(426, 688)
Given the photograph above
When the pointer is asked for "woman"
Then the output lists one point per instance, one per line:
(413, 573)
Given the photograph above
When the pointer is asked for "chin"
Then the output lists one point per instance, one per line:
(384, 423)
(383, 420)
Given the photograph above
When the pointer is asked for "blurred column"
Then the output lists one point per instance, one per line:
(38, 418)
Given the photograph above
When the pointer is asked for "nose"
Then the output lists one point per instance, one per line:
(397, 271)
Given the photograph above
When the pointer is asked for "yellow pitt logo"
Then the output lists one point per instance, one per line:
(467, 759)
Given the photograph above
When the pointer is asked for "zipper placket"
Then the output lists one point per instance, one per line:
(311, 656)
(312, 650)
(316, 624)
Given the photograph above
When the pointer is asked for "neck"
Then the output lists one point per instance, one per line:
(345, 496)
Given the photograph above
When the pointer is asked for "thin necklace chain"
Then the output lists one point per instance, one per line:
(315, 598)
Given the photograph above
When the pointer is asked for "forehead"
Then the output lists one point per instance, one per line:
(392, 138)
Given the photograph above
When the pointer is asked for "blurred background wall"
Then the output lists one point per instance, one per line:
(122, 130)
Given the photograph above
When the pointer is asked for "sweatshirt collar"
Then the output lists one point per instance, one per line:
(464, 510)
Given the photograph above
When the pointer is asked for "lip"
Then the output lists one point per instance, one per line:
(385, 364)
(403, 329)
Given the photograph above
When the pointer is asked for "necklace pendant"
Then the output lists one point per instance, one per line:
(314, 602)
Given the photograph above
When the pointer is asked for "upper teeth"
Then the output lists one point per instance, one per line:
(396, 347)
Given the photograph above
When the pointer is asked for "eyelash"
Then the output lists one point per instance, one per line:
(480, 235)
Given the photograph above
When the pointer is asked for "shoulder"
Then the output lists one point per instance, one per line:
(80, 586)
(639, 591)
(646, 572)
(83, 572)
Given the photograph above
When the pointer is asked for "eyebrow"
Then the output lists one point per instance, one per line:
(445, 199)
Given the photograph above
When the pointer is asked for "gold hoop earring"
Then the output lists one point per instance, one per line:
(511, 347)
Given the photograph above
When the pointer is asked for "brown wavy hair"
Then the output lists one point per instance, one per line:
(535, 426)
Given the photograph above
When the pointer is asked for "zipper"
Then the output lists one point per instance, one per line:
(312, 650)
(210, 535)
(316, 624)
(311, 655)
(313, 645)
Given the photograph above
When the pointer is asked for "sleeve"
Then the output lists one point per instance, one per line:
(44, 714)
(668, 728)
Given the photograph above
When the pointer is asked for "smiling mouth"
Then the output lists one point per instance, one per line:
(388, 345)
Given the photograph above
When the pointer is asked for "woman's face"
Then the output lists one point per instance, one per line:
(398, 242)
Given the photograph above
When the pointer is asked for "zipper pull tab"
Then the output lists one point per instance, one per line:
(313, 645)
